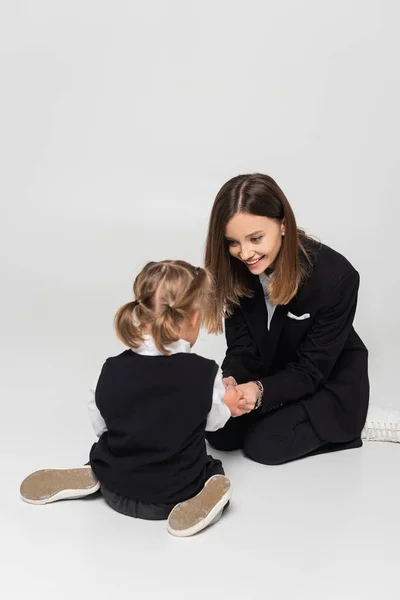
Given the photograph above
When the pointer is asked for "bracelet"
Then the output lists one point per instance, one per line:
(260, 394)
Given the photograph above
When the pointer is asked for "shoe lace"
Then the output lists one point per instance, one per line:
(375, 430)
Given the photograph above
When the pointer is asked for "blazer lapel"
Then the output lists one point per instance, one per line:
(255, 314)
(271, 342)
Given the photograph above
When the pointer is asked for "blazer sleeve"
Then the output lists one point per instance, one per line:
(242, 359)
(320, 349)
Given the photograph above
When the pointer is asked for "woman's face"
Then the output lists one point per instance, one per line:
(254, 240)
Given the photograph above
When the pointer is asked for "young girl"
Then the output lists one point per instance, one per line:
(151, 407)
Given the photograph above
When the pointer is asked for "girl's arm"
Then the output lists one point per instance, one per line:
(219, 413)
(97, 420)
(225, 403)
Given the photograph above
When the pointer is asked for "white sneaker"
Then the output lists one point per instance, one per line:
(50, 485)
(382, 425)
(193, 515)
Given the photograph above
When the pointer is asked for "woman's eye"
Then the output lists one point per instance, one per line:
(231, 242)
(255, 240)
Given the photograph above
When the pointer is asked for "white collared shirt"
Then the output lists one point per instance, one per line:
(264, 280)
(219, 413)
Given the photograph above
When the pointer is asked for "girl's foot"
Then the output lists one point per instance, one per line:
(382, 425)
(49, 485)
(193, 515)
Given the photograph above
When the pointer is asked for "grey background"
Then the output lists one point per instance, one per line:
(120, 121)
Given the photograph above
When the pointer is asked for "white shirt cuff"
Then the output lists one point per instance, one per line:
(219, 413)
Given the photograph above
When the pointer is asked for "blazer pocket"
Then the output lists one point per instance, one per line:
(300, 317)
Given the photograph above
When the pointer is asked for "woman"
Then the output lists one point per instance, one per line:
(289, 303)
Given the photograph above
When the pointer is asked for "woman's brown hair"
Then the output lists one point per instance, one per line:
(260, 195)
(166, 293)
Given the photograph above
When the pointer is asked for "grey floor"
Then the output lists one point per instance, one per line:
(324, 527)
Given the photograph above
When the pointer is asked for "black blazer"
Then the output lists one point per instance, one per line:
(317, 359)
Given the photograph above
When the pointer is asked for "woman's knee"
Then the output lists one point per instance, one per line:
(281, 443)
(224, 443)
(231, 436)
(266, 452)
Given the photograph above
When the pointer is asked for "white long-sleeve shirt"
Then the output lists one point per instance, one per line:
(218, 415)
(264, 280)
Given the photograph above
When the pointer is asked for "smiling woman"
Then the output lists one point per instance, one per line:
(252, 221)
(289, 304)
(259, 249)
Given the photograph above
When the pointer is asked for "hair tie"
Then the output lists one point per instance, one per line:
(136, 303)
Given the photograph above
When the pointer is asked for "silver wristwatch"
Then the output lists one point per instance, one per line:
(260, 394)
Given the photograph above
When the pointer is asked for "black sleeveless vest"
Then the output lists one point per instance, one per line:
(155, 409)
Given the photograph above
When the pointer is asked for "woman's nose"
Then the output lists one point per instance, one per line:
(246, 253)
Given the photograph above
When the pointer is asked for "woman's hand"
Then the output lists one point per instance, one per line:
(229, 381)
(250, 395)
(234, 400)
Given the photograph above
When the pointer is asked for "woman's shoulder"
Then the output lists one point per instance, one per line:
(326, 260)
(330, 271)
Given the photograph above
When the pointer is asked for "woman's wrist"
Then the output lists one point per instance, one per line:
(260, 396)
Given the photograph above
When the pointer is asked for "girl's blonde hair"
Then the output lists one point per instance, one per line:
(166, 293)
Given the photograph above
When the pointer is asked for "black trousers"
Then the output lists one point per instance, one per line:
(135, 508)
(151, 511)
(274, 438)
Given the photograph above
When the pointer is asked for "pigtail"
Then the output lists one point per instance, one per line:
(166, 326)
(128, 326)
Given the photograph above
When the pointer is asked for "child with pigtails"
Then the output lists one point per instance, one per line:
(151, 408)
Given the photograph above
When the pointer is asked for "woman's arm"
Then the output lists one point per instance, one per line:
(319, 351)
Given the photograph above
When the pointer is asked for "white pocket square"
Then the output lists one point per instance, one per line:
(300, 318)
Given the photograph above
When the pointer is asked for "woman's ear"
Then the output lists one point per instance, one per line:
(283, 227)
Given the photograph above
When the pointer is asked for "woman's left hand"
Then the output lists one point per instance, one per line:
(250, 394)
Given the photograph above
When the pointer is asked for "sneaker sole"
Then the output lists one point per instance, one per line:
(50, 485)
(193, 515)
(382, 440)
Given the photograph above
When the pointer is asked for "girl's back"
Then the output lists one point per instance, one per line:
(155, 408)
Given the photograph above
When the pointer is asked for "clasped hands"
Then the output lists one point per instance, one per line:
(240, 399)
